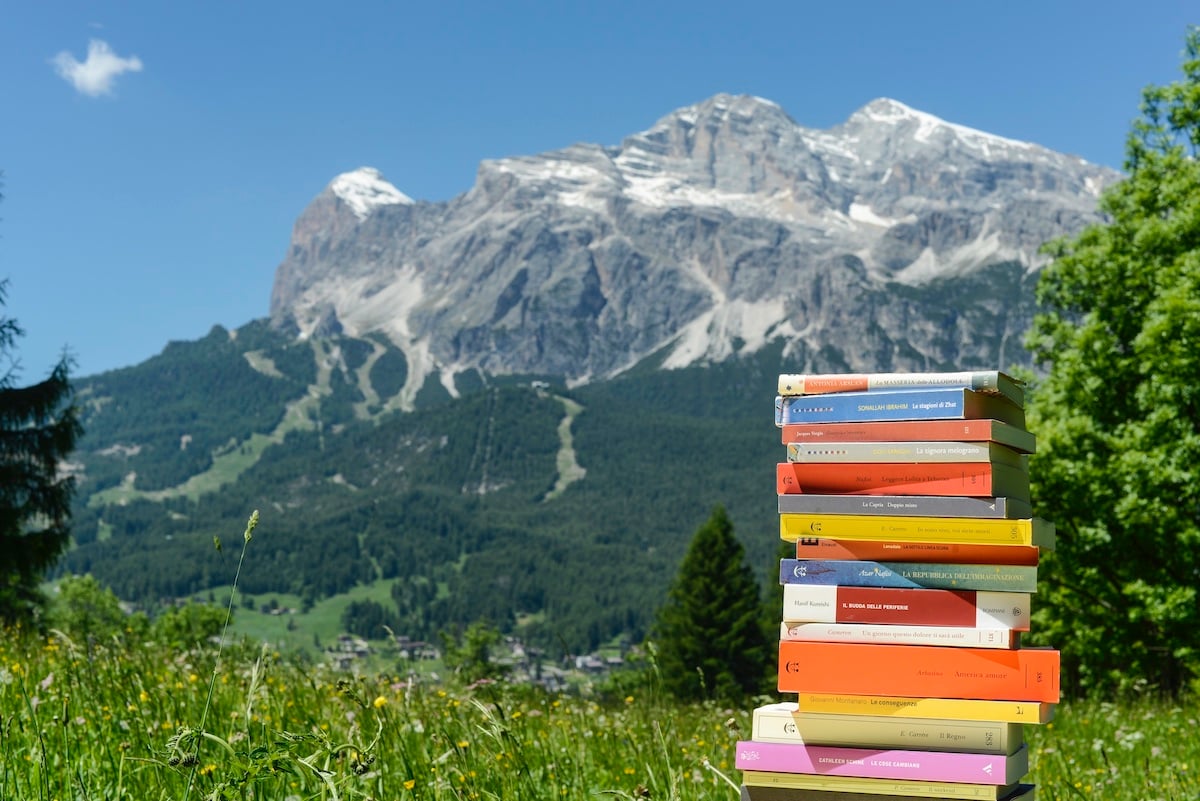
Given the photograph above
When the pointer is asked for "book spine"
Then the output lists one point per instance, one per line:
(906, 506)
(974, 709)
(996, 578)
(980, 380)
(989, 769)
(974, 479)
(935, 552)
(1023, 674)
(784, 723)
(913, 607)
(896, 634)
(906, 430)
(765, 785)
(927, 404)
(914, 451)
(965, 530)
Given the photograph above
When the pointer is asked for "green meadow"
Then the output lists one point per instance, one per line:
(135, 720)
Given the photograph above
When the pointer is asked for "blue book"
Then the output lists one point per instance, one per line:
(910, 575)
(942, 403)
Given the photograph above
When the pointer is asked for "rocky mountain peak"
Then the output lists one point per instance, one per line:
(721, 228)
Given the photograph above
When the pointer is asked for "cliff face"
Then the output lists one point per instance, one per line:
(893, 241)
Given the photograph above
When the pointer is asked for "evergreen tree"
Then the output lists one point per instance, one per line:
(709, 633)
(38, 428)
(1118, 415)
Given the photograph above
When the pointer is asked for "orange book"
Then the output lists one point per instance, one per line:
(1024, 674)
(976, 479)
(893, 551)
(913, 431)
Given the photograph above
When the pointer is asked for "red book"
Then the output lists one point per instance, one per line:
(839, 603)
(923, 671)
(975, 479)
(937, 552)
(913, 431)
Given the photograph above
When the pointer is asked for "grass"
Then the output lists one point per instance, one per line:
(296, 631)
(126, 718)
(122, 720)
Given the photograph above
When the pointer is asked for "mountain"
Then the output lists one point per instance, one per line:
(723, 227)
(520, 404)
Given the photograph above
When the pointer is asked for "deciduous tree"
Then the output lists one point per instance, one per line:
(1118, 414)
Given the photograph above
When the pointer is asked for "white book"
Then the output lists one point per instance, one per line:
(884, 633)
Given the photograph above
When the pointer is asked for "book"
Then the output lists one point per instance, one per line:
(976, 479)
(783, 722)
(921, 404)
(1024, 674)
(963, 530)
(914, 607)
(873, 763)
(905, 505)
(1032, 712)
(882, 787)
(928, 575)
(900, 634)
(914, 451)
(783, 792)
(989, 381)
(893, 551)
(1014, 437)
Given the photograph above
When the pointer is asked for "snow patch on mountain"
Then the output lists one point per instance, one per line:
(736, 326)
(893, 112)
(365, 190)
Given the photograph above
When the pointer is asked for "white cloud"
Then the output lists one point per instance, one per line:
(95, 76)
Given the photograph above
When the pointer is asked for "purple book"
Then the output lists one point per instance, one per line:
(930, 766)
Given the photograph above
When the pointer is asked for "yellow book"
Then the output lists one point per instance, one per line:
(852, 784)
(958, 530)
(955, 708)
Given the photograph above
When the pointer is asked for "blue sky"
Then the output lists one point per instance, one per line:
(151, 186)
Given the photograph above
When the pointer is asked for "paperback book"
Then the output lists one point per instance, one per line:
(891, 551)
(783, 722)
(905, 505)
(917, 451)
(1023, 674)
(902, 706)
(913, 607)
(988, 381)
(783, 792)
(1033, 531)
(975, 479)
(978, 430)
(911, 765)
(881, 787)
(852, 573)
(898, 634)
(922, 404)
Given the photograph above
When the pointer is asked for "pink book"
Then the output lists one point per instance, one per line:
(934, 766)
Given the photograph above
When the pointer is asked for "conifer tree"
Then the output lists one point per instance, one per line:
(709, 633)
(38, 428)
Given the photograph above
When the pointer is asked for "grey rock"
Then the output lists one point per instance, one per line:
(893, 241)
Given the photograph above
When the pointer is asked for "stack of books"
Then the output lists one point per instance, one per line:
(907, 498)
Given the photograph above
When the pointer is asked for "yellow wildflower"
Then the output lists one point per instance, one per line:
(379, 702)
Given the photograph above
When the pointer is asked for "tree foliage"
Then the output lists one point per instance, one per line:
(709, 633)
(1118, 414)
(38, 429)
